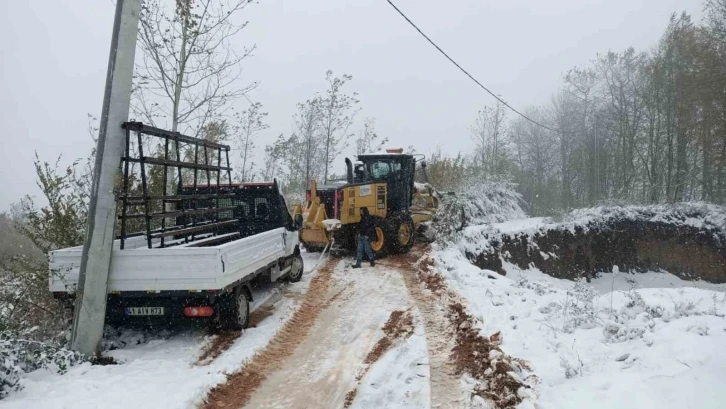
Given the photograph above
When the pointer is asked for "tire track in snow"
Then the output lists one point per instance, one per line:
(314, 360)
(241, 385)
(399, 327)
(326, 365)
(446, 390)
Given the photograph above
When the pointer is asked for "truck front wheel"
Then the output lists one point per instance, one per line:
(296, 268)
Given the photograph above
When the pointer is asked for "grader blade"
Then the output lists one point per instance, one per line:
(316, 233)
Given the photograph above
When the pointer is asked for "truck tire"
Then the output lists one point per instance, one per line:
(402, 233)
(234, 310)
(296, 269)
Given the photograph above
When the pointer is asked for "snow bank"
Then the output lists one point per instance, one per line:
(481, 203)
(492, 202)
(153, 373)
(708, 217)
(635, 348)
(704, 216)
(686, 239)
(160, 374)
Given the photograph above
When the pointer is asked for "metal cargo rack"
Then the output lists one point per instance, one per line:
(154, 208)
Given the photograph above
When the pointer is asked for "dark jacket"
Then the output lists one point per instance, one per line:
(367, 225)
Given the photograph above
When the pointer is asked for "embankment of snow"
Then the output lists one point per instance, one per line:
(492, 202)
(687, 239)
(480, 203)
(634, 348)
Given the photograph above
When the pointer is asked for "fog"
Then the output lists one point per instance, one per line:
(54, 57)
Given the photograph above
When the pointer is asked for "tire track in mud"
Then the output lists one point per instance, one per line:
(241, 385)
(398, 328)
(327, 364)
(221, 342)
(445, 382)
(216, 346)
(456, 346)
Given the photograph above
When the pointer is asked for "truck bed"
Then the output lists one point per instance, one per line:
(184, 267)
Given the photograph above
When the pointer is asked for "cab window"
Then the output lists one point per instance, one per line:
(379, 170)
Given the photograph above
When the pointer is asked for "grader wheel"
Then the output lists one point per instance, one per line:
(378, 243)
(402, 233)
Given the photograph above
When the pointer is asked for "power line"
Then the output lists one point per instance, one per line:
(469, 75)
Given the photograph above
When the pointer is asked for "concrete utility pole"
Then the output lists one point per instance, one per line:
(98, 245)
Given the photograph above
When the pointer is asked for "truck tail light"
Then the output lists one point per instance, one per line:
(201, 311)
(339, 195)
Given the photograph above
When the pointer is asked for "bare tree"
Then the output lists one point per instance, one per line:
(337, 112)
(715, 11)
(580, 85)
(307, 135)
(621, 87)
(248, 124)
(488, 133)
(188, 72)
(274, 155)
(564, 112)
(368, 140)
(300, 158)
(536, 152)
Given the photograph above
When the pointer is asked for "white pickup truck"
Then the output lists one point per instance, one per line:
(209, 278)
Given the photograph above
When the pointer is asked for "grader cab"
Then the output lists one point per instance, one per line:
(383, 183)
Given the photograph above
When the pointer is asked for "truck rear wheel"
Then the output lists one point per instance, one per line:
(234, 310)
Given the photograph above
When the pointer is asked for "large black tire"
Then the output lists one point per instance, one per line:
(401, 233)
(379, 243)
(296, 269)
(233, 310)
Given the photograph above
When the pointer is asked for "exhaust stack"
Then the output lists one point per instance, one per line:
(348, 170)
(426, 175)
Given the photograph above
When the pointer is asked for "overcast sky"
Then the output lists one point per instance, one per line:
(54, 55)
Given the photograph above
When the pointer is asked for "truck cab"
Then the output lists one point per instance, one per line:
(257, 206)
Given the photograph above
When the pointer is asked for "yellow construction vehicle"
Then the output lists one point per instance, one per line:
(384, 183)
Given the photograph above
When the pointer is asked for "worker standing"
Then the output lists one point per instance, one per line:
(367, 230)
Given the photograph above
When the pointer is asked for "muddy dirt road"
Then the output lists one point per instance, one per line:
(329, 354)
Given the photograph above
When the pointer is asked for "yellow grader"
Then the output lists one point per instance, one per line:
(383, 183)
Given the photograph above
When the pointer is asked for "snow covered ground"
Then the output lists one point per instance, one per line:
(400, 378)
(621, 341)
(654, 342)
(343, 357)
(160, 373)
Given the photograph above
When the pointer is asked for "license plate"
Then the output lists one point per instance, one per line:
(139, 311)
